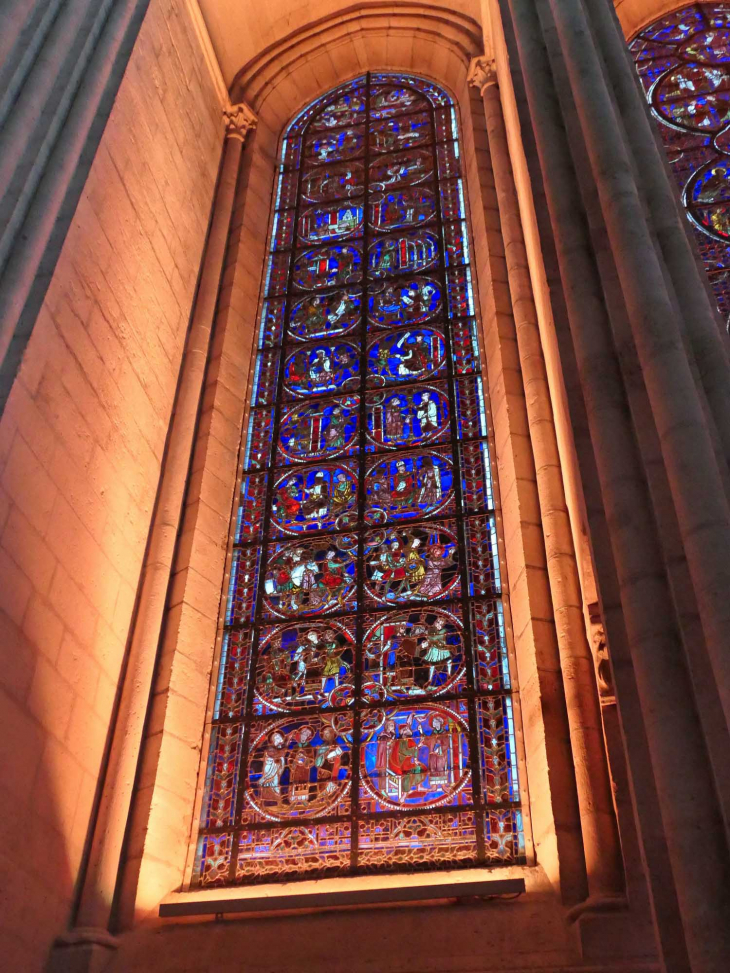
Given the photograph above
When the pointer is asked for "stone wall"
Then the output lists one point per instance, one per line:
(81, 442)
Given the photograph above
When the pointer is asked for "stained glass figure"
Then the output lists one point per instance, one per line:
(333, 182)
(304, 666)
(323, 428)
(409, 486)
(363, 714)
(404, 252)
(418, 652)
(409, 418)
(323, 315)
(406, 356)
(683, 61)
(322, 368)
(316, 498)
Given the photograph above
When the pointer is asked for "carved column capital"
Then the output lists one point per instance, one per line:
(240, 119)
(482, 72)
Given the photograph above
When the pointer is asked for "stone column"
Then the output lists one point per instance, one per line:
(598, 823)
(621, 343)
(700, 317)
(89, 936)
(63, 64)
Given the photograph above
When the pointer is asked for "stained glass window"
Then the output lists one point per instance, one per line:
(683, 61)
(363, 715)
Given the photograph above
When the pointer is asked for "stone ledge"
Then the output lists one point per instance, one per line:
(342, 893)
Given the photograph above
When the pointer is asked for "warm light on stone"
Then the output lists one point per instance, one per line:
(139, 153)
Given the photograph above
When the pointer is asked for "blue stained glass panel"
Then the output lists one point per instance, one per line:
(307, 665)
(410, 300)
(413, 653)
(325, 315)
(323, 367)
(332, 221)
(406, 356)
(337, 181)
(316, 498)
(319, 430)
(397, 134)
(415, 757)
(412, 564)
(409, 486)
(401, 170)
(335, 146)
(327, 267)
(310, 577)
(363, 715)
(403, 253)
(409, 417)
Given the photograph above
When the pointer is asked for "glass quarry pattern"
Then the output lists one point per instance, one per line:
(683, 61)
(363, 717)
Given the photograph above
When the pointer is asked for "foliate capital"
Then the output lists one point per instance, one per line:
(240, 119)
(482, 72)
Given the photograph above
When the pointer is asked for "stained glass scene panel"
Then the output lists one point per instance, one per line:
(363, 715)
(683, 61)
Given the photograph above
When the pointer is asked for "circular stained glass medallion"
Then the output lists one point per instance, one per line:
(324, 367)
(419, 652)
(406, 301)
(408, 486)
(411, 564)
(325, 315)
(310, 577)
(320, 498)
(327, 267)
(299, 766)
(305, 665)
(411, 417)
(405, 356)
(319, 429)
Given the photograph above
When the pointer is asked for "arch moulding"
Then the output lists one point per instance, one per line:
(436, 43)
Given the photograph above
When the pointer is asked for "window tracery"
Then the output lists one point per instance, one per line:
(363, 713)
(683, 62)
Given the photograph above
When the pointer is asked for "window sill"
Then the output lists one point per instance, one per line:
(358, 892)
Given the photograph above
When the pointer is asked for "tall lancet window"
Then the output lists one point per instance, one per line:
(363, 717)
(683, 61)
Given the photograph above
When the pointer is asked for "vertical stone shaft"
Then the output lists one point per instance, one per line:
(656, 651)
(138, 673)
(697, 487)
(65, 67)
(598, 824)
(700, 317)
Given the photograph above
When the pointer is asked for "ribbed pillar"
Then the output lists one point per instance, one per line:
(116, 788)
(697, 487)
(641, 621)
(700, 318)
(62, 68)
(598, 824)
